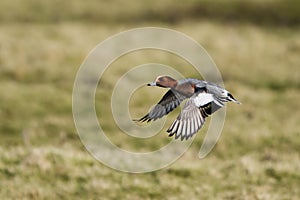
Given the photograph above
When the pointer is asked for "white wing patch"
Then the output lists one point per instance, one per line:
(203, 98)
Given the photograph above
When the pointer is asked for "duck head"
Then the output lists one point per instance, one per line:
(164, 81)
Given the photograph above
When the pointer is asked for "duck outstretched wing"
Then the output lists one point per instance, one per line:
(169, 102)
(193, 115)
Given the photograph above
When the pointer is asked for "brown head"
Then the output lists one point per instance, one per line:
(164, 81)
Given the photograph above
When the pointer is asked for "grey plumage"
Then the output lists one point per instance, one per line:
(204, 98)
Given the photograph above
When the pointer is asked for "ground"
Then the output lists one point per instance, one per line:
(256, 157)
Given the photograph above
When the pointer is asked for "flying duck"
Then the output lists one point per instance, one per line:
(203, 99)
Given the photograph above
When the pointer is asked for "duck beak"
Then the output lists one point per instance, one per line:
(152, 84)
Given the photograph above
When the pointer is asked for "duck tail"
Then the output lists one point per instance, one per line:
(231, 98)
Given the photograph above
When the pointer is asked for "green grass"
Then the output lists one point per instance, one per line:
(257, 156)
(41, 156)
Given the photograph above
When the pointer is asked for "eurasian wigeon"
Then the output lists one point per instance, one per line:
(204, 98)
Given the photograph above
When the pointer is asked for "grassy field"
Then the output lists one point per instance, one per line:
(41, 156)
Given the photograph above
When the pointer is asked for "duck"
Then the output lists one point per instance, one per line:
(203, 99)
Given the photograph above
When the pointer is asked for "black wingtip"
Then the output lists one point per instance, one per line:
(177, 136)
(143, 119)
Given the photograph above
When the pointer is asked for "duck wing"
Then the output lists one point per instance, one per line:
(169, 102)
(193, 115)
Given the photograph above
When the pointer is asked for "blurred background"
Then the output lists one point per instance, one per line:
(256, 46)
